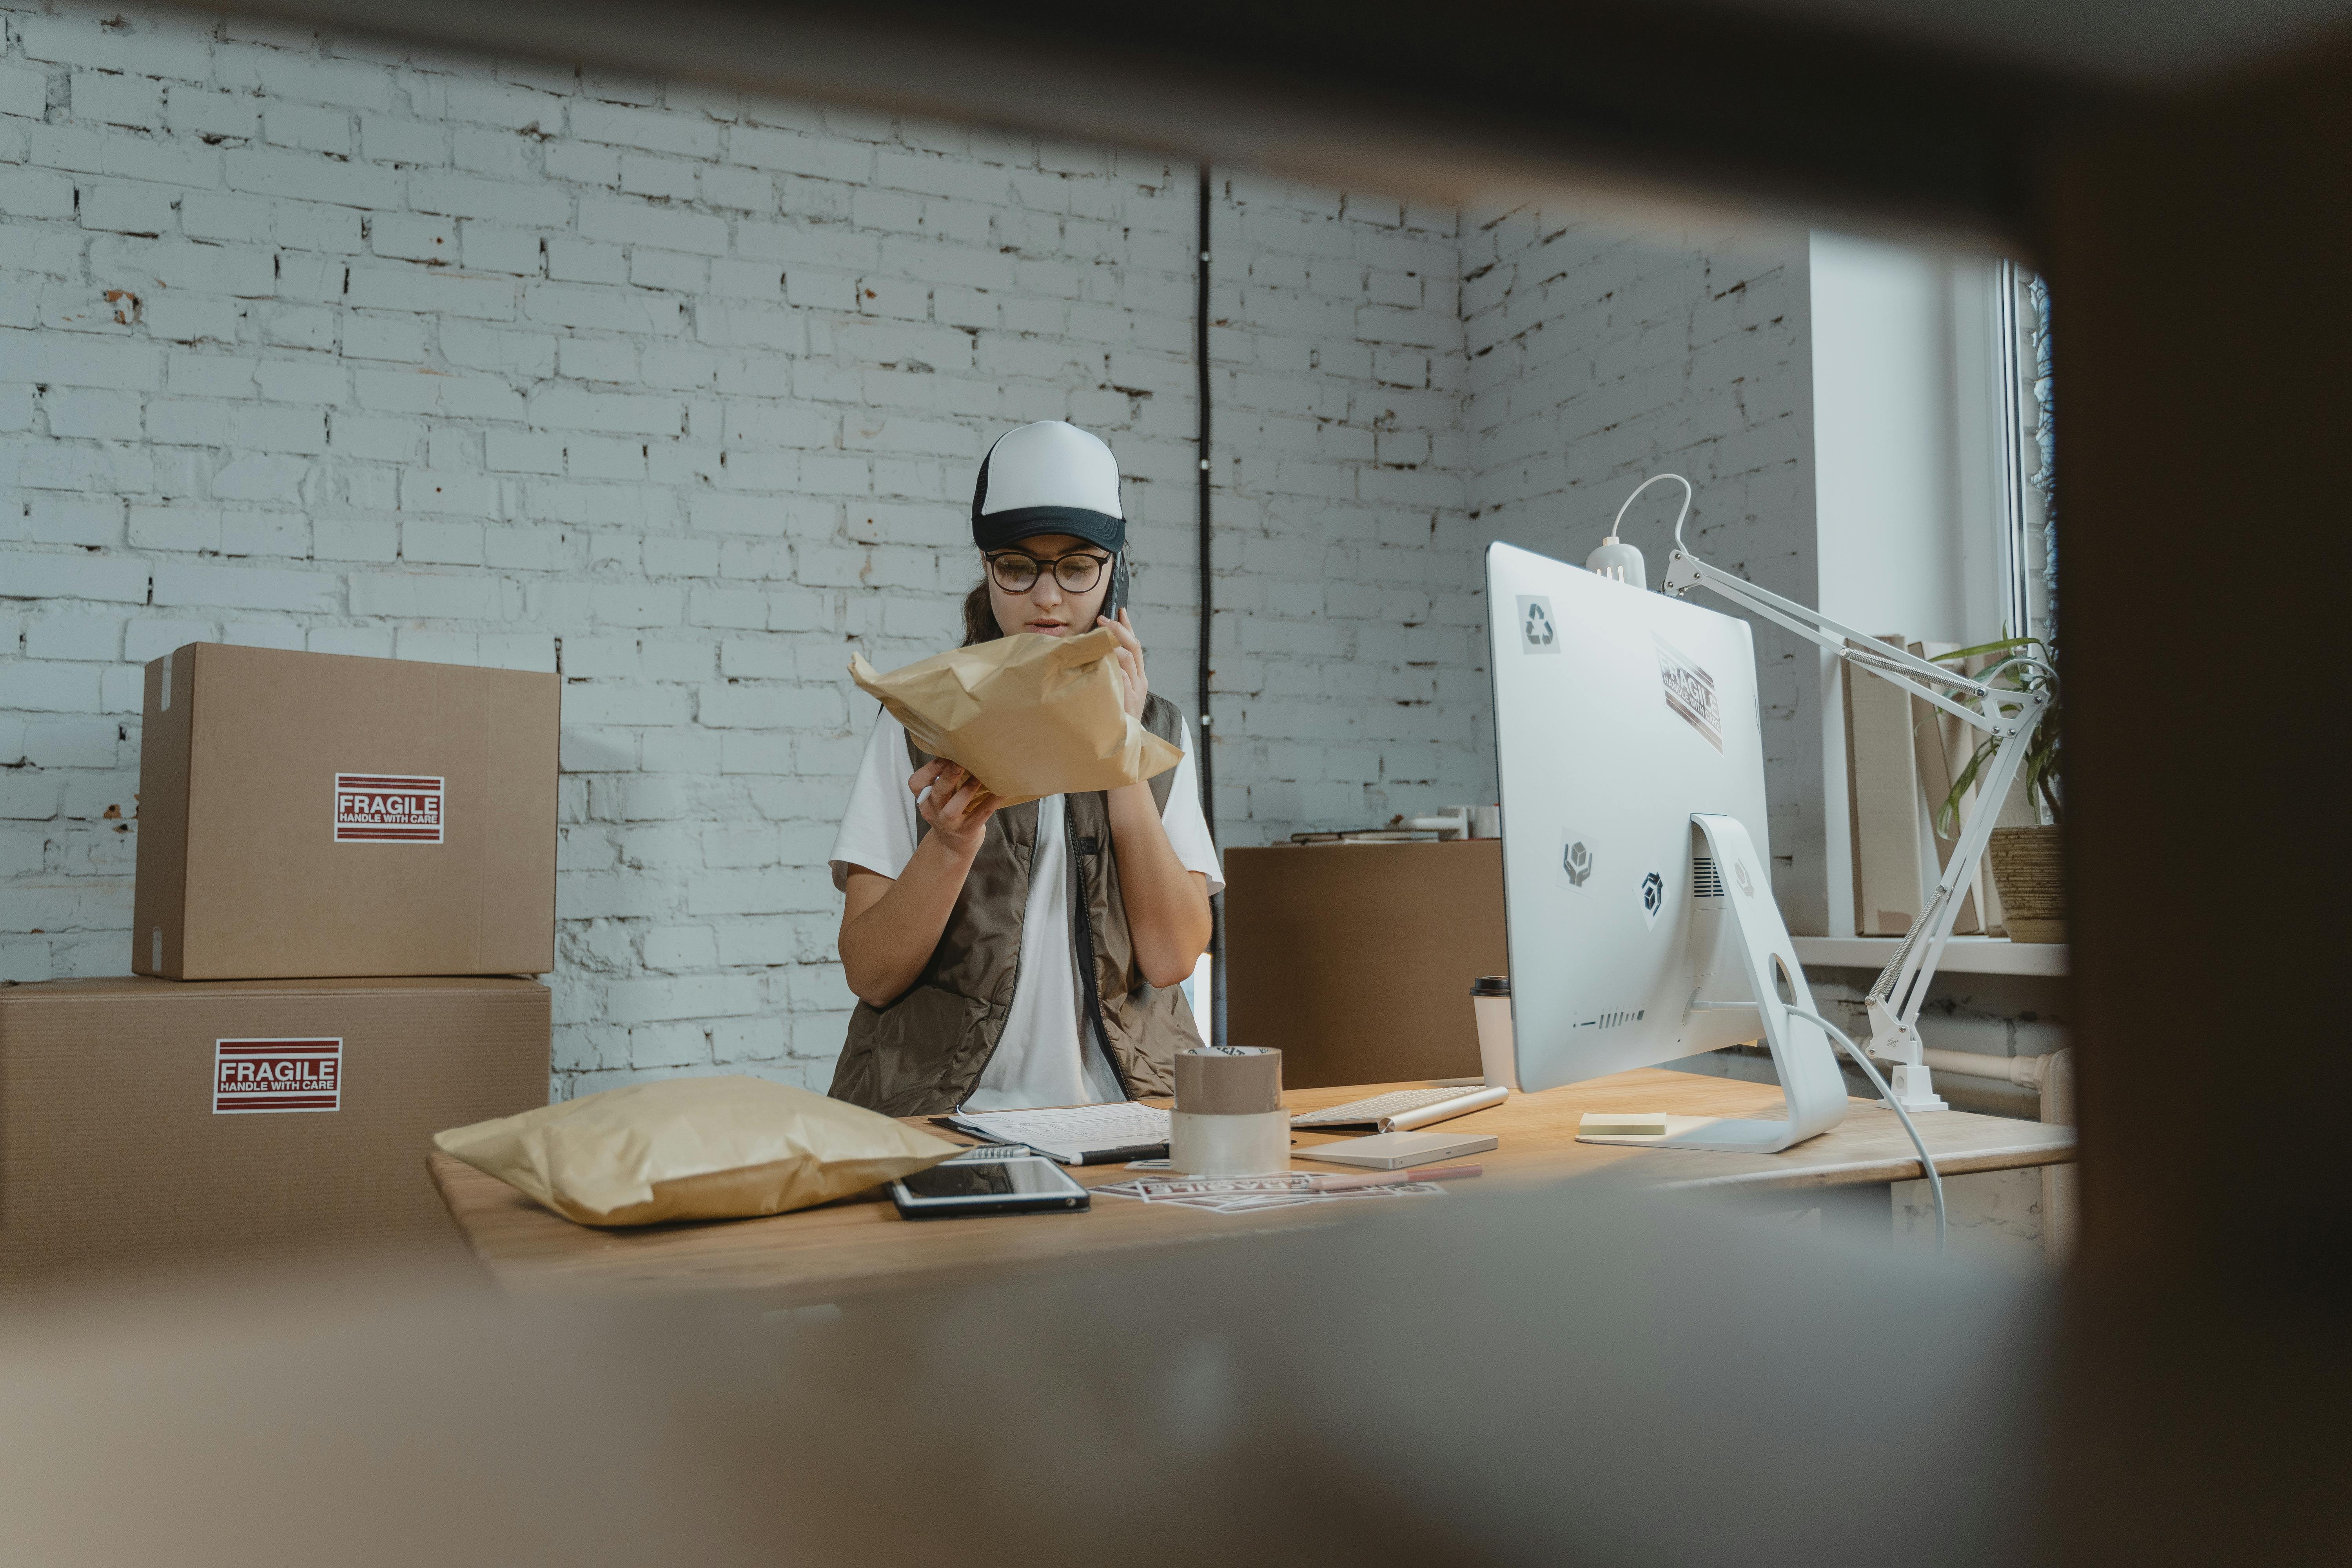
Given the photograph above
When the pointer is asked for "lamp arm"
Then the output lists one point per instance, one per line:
(1904, 669)
(1894, 1000)
(2010, 717)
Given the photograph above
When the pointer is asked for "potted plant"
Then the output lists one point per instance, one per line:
(2027, 861)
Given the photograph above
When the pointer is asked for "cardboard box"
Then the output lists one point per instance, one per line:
(309, 813)
(1355, 959)
(147, 1125)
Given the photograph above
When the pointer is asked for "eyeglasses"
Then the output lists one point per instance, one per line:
(1017, 574)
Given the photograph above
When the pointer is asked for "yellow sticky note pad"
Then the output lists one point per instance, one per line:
(1622, 1124)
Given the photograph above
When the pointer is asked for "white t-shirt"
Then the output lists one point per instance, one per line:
(1037, 1060)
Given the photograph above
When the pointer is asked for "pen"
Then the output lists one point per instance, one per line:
(1132, 1151)
(1393, 1178)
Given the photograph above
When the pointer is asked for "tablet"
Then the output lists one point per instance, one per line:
(995, 1181)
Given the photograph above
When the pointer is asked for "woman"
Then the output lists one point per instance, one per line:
(976, 987)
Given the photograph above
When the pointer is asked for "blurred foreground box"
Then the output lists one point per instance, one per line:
(153, 1125)
(1355, 960)
(315, 814)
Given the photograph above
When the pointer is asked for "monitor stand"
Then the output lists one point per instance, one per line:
(1759, 952)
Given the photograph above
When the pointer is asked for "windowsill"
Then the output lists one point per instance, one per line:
(1962, 954)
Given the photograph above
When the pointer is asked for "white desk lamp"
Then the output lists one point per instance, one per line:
(1616, 559)
(2010, 717)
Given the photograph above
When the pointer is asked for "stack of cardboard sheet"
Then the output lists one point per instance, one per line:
(1903, 756)
(346, 871)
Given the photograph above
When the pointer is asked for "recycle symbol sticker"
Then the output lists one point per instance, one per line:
(1538, 626)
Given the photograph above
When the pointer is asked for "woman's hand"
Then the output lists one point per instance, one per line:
(1130, 661)
(889, 926)
(957, 807)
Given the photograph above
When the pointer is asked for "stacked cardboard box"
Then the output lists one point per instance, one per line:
(345, 867)
(307, 813)
(205, 1127)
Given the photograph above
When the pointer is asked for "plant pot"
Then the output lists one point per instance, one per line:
(2028, 867)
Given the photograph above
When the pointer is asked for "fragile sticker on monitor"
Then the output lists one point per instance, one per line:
(1654, 899)
(277, 1074)
(1690, 691)
(387, 808)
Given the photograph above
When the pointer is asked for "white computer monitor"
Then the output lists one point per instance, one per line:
(1632, 769)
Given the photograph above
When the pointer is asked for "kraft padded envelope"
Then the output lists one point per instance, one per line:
(1028, 716)
(693, 1148)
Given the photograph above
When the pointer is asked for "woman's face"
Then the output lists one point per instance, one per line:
(1048, 608)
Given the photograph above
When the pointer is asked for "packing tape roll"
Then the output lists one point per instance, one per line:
(1232, 1080)
(1252, 1145)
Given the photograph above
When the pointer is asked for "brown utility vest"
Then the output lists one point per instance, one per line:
(922, 1054)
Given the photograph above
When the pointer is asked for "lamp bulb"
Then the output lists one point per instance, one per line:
(1618, 560)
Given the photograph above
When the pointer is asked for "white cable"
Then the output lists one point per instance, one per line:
(1935, 1182)
(1645, 484)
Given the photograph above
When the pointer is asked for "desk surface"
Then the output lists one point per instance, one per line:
(859, 1245)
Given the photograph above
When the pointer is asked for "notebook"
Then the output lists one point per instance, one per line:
(1401, 1151)
(1073, 1134)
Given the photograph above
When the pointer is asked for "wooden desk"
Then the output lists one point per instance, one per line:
(859, 1245)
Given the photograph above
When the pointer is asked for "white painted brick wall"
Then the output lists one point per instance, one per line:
(1598, 356)
(307, 344)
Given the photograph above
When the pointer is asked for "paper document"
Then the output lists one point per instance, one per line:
(1069, 1134)
(1242, 1194)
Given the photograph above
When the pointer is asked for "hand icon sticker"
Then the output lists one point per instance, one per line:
(1578, 851)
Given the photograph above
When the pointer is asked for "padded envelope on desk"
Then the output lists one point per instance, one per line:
(693, 1148)
(1028, 716)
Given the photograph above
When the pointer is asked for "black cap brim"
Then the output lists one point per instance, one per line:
(997, 531)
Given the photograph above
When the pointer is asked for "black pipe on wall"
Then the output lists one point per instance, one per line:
(1204, 752)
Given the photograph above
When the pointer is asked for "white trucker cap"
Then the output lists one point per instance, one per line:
(1047, 477)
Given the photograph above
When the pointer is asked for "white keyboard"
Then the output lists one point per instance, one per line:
(1380, 1107)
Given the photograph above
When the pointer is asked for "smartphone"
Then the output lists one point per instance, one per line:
(997, 1183)
(1116, 600)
